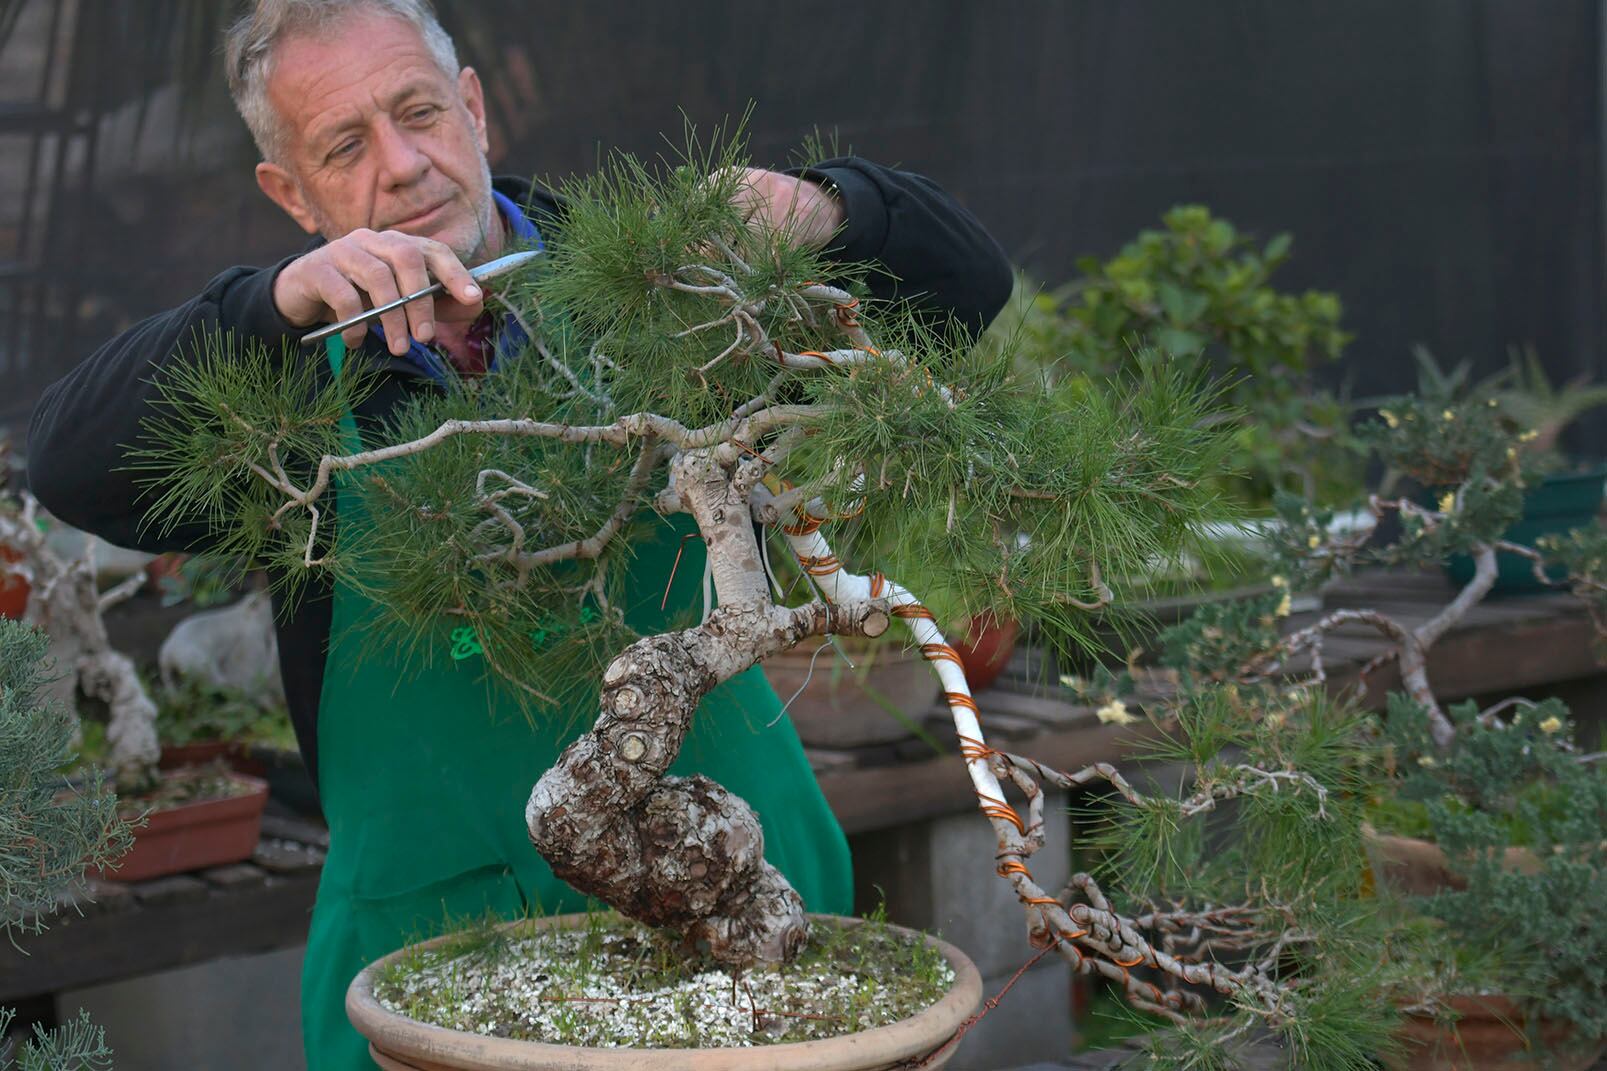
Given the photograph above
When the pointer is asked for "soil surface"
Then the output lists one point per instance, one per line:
(611, 983)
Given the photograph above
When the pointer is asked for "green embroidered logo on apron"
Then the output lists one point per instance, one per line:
(465, 644)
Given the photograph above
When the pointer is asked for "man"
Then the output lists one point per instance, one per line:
(373, 139)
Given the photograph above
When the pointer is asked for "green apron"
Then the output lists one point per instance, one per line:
(424, 775)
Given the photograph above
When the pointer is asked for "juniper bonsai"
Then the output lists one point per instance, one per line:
(50, 834)
(684, 361)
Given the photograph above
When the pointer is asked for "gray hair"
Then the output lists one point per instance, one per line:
(250, 42)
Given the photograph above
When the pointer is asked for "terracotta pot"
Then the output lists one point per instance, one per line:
(1416, 867)
(191, 836)
(176, 756)
(238, 755)
(1489, 1036)
(888, 691)
(13, 589)
(400, 1044)
(985, 651)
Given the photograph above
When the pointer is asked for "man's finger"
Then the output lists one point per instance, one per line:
(449, 270)
(337, 292)
(407, 264)
(377, 279)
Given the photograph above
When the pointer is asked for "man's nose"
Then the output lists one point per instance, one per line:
(401, 162)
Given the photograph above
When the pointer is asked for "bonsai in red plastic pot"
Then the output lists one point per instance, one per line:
(198, 816)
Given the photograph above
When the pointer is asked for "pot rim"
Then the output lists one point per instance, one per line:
(921, 1033)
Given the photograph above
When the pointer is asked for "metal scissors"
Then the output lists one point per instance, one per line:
(491, 269)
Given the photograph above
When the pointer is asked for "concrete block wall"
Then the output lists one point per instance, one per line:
(938, 875)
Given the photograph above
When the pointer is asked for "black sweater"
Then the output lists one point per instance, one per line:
(933, 251)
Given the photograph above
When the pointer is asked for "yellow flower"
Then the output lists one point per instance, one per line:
(1446, 414)
(1529, 436)
(1426, 761)
(1551, 725)
(1279, 582)
(1492, 403)
(1314, 542)
(1283, 606)
(1390, 418)
(1447, 501)
(1114, 713)
(1512, 453)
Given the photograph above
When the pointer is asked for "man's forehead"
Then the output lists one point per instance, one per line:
(319, 83)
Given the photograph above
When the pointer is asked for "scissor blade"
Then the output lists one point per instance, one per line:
(491, 269)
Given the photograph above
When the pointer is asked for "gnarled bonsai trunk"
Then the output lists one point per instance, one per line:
(682, 852)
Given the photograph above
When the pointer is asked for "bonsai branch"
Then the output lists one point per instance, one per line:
(1080, 922)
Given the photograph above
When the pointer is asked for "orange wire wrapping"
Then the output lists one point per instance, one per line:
(674, 566)
(936, 652)
(808, 525)
(1073, 936)
(960, 699)
(971, 748)
(1136, 962)
(1013, 866)
(999, 809)
(876, 583)
(816, 353)
(819, 565)
(914, 610)
(1043, 900)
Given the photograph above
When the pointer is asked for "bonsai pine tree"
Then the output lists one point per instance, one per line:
(684, 362)
(49, 836)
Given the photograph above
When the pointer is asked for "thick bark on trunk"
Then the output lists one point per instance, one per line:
(683, 852)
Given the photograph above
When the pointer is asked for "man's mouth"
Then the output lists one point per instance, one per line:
(418, 218)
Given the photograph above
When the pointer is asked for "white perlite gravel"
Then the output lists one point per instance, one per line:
(615, 984)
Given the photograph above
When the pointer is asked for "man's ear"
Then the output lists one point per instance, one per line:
(473, 95)
(285, 192)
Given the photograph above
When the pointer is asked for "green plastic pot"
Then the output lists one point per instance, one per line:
(1558, 505)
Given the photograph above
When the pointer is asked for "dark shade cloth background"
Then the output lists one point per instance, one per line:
(1439, 162)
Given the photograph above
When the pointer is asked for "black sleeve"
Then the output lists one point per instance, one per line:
(85, 422)
(932, 250)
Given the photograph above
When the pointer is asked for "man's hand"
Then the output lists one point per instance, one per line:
(798, 207)
(364, 269)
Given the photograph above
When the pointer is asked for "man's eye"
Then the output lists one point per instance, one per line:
(423, 114)
(344, 150)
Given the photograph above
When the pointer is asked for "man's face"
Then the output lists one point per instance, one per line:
(378, 136)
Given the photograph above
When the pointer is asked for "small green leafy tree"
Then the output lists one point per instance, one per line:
(684, 362)
(1200, 289)
(50, 833)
